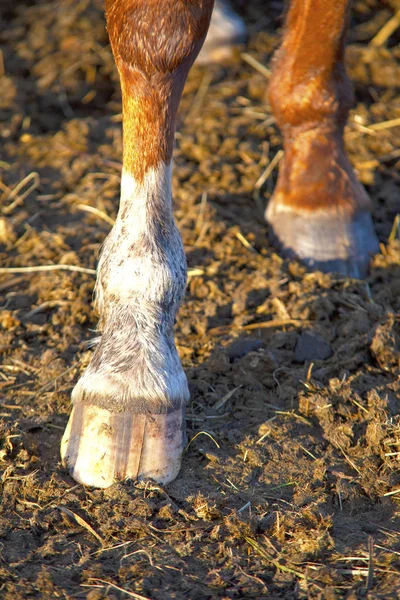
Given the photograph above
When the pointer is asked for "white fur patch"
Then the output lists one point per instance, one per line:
(141, 282)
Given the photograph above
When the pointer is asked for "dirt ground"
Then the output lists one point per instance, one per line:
(290, 486)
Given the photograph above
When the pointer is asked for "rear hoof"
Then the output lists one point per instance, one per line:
(100, 447)
(226, 31)
(330, 242)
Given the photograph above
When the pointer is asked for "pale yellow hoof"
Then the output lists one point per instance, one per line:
(100, 447)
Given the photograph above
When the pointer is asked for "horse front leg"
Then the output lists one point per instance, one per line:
(128, 417)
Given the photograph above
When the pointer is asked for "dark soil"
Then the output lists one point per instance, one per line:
(290, 487)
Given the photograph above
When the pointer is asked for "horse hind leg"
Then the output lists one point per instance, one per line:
(319, 211)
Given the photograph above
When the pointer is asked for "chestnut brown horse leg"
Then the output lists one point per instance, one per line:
(128, 418)
(319, 211)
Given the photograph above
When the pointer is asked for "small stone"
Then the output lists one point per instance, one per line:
(311, 346)
(242, 347)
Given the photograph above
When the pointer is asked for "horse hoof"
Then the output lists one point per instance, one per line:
(100, 447)
(327, 241)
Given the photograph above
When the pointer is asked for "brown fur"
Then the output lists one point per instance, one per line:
(154, 43)
(311, 95)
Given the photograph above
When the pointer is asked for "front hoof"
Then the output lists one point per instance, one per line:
(100, 447)
(328, 241)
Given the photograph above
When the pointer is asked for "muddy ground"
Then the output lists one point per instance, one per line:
(290, 487)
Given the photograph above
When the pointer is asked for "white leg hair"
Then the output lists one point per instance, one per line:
(135, 375)
(141, 282)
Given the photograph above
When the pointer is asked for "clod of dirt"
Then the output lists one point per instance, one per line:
(7, 233)
(384, 345)
(242, 347)
(311, 346)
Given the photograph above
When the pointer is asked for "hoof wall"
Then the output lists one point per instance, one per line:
(328, 242)
(100, 447)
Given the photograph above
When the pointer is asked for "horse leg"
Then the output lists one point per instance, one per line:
(128, 417)
(319, 211)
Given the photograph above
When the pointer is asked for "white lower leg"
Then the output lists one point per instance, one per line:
(129, 404)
